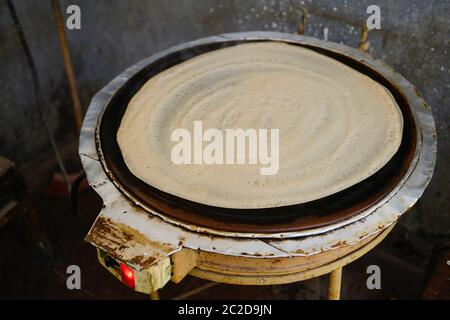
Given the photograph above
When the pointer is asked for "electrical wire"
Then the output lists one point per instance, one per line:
(37, 90)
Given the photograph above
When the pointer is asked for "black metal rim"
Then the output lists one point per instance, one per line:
(371, 189)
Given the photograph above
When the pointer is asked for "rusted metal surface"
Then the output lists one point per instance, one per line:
(363, 44)
(320, 213)
(147, 280)
(249, 266)
(302, 24)
(247, 271)
(127, 244)
(124, 219)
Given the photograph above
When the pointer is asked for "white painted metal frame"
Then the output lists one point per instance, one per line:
(123, 209)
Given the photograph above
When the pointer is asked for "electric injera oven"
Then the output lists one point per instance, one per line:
(161, 237)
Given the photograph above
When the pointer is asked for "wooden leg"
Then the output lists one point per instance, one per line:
(334, 284)
(154, 295)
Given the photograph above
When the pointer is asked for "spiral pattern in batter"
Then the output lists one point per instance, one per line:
(336, 126)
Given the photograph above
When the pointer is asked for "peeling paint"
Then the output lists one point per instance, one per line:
(140, 236)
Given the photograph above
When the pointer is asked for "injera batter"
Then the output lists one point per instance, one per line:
(336, 126)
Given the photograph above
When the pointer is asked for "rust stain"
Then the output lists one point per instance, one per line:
(181, 240)
(142, 260)
(123, 243)
(417, 92)
(339, 244)
(363, 43)
(275, 261)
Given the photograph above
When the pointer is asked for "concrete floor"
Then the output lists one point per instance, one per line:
(27, 275)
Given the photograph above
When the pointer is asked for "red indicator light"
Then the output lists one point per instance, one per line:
(127, 275)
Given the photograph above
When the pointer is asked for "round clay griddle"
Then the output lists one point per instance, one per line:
(318, 213)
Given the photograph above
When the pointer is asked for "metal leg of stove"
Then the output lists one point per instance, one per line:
(154, 295)
(334, 284)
